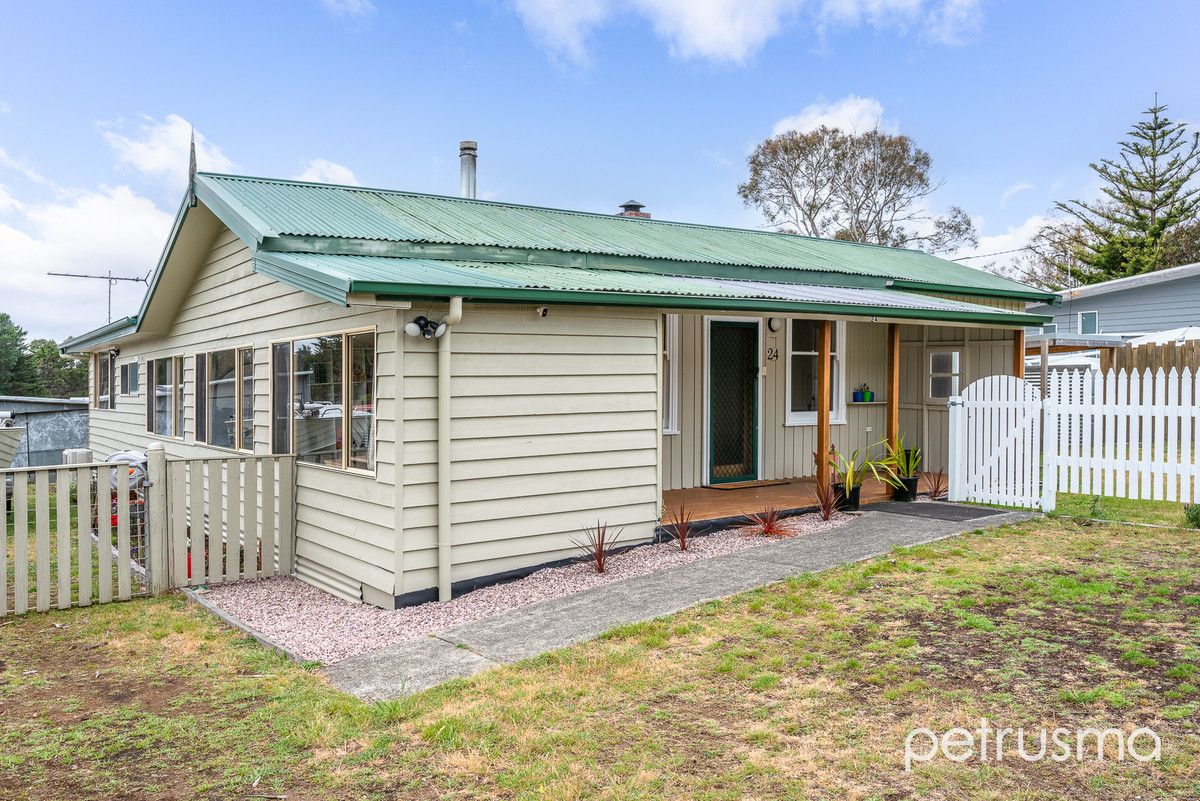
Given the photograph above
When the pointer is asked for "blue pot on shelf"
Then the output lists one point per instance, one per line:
(858, 396)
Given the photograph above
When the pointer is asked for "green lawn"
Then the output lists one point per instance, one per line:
(802, 690)
(1163, 513)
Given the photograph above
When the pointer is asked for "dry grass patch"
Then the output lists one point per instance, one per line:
(805, 689)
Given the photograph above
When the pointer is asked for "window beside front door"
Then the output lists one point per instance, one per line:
(670, 373)
(802, 358)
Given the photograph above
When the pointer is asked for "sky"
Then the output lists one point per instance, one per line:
(575, 104)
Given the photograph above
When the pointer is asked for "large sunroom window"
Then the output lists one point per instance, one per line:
(318, 384)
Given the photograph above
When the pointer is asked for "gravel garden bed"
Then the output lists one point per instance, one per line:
(315, 625)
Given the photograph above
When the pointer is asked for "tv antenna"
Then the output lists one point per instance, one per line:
(112, 281)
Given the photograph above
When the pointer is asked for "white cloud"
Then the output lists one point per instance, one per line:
(7, 201)
(93, 231)
(16, 165)
(852, 114)
(877, 13)
(1008, 246)
(562, 26)
(718, 30)
(160, 149)
(349, 8)
(955, 22)
(1014, 190)
(734, 30)
(5, 108)
(328, 172)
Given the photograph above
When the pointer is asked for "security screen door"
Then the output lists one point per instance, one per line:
(733, 401)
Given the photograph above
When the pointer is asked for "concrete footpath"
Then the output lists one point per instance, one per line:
(415, 665)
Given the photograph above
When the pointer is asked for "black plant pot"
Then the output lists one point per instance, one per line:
(907, 491)
(846, 503)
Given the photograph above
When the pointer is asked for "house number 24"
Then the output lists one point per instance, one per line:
(772, 354)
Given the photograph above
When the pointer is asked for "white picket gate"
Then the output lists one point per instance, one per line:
(1117, 434)
(996, 443)
(82, 534)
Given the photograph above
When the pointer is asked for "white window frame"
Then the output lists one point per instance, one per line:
(837, 386)
(1079, 322)
(958, 374)
(670, 377)
(1050, 328)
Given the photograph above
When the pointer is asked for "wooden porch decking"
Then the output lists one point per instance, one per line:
(705, 503)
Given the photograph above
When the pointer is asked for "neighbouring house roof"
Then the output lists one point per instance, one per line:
(334, 240)
(1133, 281)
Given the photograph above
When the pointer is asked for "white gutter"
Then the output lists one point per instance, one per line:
(452, 317)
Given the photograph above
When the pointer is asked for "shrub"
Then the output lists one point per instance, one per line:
(826, 499)
(935, 484)
(597, 541)
(1192, 513)
(680, 520)
(768, 523)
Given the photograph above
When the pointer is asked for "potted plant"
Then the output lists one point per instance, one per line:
(858, 396)
(905, 464)
(850, 472)
(864, 394)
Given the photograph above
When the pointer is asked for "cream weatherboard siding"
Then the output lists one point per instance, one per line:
(787, 449)
(925, 424)
(554, 426)
(344, 521)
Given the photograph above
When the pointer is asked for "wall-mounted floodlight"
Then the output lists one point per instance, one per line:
(425, 328)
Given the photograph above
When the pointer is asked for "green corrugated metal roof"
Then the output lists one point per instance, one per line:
(275, 208)
(335, 276)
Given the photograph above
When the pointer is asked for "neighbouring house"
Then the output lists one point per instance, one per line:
(1127, 307)
(467, 384)
(49, 426)
(1158, 307)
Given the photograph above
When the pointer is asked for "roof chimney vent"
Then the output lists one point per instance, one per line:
(631, 208)
(467, 155)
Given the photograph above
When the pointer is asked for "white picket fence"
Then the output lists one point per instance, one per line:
(1116, 434)
(82, 534)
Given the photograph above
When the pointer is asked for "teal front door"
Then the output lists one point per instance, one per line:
(732, 401)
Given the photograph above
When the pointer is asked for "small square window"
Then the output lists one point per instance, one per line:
(1089, 322)
(945, 374)
(1050, 328)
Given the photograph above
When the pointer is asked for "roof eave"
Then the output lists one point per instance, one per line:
(1029, 293)
(337, 246)
(103, 335)
(386, 289)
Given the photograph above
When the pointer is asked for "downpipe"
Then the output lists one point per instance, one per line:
(451, 318)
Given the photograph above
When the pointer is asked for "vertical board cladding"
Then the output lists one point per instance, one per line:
(924, 422)
(554, 426)
(344, 521)
(788, 449)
